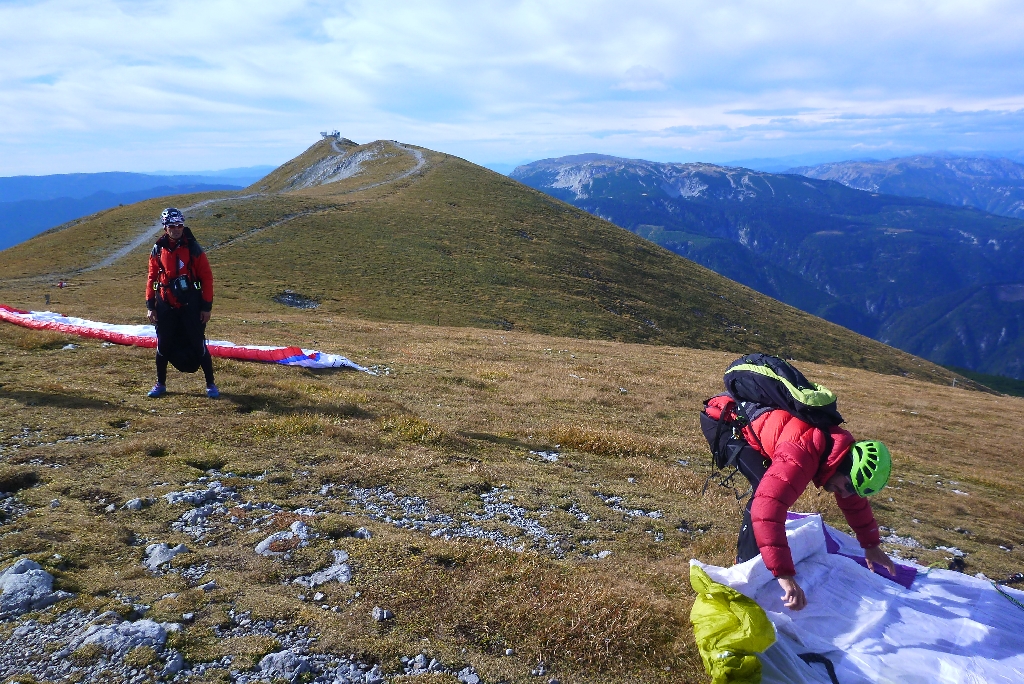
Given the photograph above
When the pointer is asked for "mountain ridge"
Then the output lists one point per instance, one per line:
(856, 258)
(992, 184)
(439, 239)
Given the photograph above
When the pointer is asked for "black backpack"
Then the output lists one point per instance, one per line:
(768, 381)
(759, 383)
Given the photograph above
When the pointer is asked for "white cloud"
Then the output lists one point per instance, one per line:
(135, 85)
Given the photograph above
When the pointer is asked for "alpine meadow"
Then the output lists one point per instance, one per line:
(515, 489)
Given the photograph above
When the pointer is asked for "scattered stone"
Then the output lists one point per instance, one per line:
(601, 555)
(26, 586)
(908, 542)
(363, 533)
(133, 505)
(214, 491)
(110, 508)
(468, 676)
(175, 662)
(297, 535)
(55, 503)
(209, 586)
(382, 615)
(284, 664)
(951, 549)
(158, 554)
(617, 504)
(318, 596)
(547, 456)
(339, 571)
(510, 651)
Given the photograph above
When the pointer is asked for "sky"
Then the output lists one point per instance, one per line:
(104, 85)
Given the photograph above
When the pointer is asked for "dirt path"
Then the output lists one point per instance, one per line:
(150, 233)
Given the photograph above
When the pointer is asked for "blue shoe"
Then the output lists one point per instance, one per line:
(158, 390)
(212, 392)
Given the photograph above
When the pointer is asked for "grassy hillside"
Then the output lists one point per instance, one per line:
(451, 244)
(455, 421)
(874, 263)
(529, 474)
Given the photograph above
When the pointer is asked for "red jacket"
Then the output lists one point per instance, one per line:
(171, 259)
(795, 450)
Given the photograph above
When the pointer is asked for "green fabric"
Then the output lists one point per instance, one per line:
(817, 395)
(730, 629)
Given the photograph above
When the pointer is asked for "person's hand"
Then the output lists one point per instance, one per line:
(876, 556)
(151, 315)
(794, 598)
(204, 316)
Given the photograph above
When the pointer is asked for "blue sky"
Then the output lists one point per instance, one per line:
(100, 85)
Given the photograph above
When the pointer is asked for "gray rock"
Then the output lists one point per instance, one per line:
(284, 664)
(110, 508)
(122, 637)
(175, 662)
(55, 503)
(214, 491)
(133, 505)
(339, 571)
(381, 615)
(209, 586)
(363, 533)
(26, 586)
(158, 554)
(468, 676)
(420, 662)
(263, 548)
(374, 676)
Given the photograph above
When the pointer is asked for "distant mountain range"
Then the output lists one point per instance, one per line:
(938, 281)
(392, 232)
(32, 204)
(994, 185)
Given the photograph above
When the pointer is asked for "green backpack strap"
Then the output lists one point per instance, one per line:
(730, 630)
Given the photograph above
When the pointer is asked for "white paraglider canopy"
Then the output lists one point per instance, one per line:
(943, 627)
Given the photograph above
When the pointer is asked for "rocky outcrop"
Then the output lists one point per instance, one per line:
(26, 586)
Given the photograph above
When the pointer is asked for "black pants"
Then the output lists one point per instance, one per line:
(181, 340)
(206, 364)
(753, 467)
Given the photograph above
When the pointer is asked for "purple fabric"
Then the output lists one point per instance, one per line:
(905, 575)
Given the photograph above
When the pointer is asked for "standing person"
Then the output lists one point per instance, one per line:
(782, 454)
(179, 299)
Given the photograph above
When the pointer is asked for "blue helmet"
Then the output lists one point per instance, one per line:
(172, 217)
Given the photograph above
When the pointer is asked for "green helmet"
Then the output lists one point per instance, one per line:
(872, 464)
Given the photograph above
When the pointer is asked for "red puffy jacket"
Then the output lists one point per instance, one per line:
(795, 450)
(170, 259)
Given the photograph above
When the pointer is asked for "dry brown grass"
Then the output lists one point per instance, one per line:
(457, 416)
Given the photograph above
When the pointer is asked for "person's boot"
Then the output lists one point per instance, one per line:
(159, 390)
(212, 392)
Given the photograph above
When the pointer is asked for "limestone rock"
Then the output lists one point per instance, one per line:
(284, 664)
(158, 554)
(26, 586)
